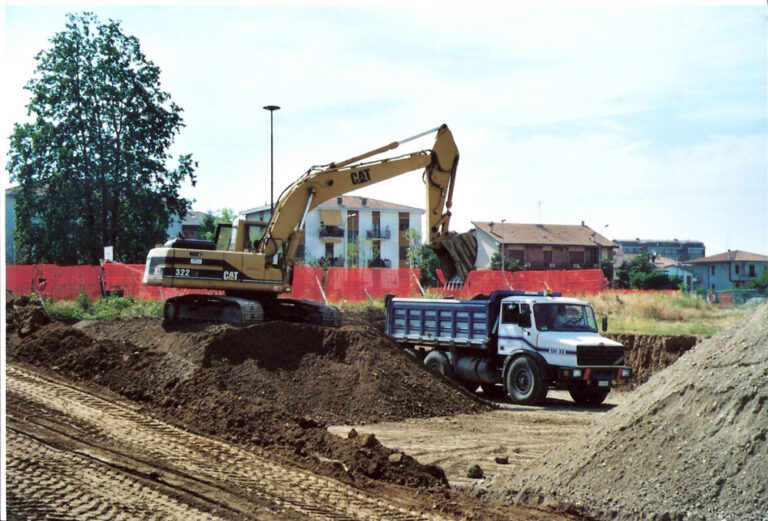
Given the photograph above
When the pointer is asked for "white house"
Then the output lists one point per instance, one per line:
(355, 231)
(728, 270)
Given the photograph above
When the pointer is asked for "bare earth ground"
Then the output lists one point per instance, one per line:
(503, 442)
(192, 427)
(126, 419)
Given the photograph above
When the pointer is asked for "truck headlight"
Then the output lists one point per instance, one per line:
(577, 373)
(625, 373)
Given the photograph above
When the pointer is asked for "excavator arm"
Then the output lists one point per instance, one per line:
(456, 252)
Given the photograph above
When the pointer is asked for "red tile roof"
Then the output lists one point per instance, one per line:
(730, 256)
(545, 234)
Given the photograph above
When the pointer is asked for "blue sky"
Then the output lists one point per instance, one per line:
(648, 119)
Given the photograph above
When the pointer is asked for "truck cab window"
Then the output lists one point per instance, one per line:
(510, 314)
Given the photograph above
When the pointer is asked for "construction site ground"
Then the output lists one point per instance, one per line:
(130, 419)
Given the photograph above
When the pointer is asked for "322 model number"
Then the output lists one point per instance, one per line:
(182, 272)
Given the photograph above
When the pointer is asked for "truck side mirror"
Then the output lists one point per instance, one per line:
(605, 323)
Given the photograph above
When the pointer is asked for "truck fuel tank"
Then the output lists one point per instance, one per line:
(474, 369)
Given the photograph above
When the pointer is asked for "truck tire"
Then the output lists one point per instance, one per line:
(585, 395)
(437, 362)
(524, 383)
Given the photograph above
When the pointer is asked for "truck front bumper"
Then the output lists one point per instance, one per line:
(605, 377)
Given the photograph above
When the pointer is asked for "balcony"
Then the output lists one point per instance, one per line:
(378, 233)
(331, 232)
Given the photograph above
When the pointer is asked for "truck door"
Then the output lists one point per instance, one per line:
(515, 331)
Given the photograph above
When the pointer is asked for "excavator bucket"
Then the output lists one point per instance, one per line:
(457, 253)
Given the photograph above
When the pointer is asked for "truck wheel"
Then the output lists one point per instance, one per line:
(584, 395)
(437, 362)
(524, 383)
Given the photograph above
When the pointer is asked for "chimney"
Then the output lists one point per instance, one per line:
(338, 200)
(729, 255)
(365, 201)
(490, 225)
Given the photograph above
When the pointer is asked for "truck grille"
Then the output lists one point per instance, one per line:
(599, 355)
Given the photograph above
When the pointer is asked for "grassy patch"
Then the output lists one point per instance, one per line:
(661, 313)
(83, 308)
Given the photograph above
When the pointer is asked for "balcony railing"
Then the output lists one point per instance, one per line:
(378, 233)
(336, 232)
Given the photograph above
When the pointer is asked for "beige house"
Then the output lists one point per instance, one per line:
(542, 246)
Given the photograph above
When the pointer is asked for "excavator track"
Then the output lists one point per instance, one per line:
(213, 308)
(245, 311)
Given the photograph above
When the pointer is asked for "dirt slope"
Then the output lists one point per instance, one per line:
(349, 375)
(688, 444)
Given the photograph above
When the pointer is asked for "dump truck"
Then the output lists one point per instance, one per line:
(251, 262)
(517, 343)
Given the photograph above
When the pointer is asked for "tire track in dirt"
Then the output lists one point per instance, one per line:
(120, 431)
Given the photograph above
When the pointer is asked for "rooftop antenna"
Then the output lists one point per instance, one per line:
(540, 220)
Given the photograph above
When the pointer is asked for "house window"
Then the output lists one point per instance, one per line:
(752, 271)
(713, 270)
(736, 268)
(329, 250)
(404, 221)
(403, 256)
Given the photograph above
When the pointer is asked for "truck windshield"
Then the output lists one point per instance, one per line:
(564, 317)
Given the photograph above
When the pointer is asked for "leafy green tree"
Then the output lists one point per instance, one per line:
(641, 273)
(761, 283)
(509, 263)
(423, 257)
(607, 264)
(91, 160)
(211, 221)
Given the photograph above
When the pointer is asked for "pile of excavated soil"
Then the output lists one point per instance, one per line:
(688, 444)
(648, 354)
(347, 375)
(205, 400)
(23, 315)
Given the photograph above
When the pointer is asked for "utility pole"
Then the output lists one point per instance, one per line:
(271, 109)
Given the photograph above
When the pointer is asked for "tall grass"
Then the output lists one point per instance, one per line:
(84, 308)
(661, 313)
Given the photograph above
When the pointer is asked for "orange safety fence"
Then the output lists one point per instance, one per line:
(363, 283)
(335, 284)
(568, 282)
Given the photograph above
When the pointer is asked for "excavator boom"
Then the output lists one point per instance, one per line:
(259, 266)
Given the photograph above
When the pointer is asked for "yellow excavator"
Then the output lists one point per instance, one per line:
(252, 261)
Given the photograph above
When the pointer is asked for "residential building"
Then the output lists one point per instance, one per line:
(10, 224)
(674, 249)
(352, 230)
(542, 246)
(728, 270)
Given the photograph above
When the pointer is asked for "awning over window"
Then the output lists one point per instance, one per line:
(331, 217)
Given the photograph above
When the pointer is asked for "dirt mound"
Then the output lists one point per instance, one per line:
(23, 315)
(349, 375)
(649, 354)
(206, 400)
(689, 444)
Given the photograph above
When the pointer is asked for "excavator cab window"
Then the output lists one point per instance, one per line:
(255, 233)
(223, 237)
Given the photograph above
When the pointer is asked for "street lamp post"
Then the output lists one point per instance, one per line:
(502, 244)
(271, 109)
